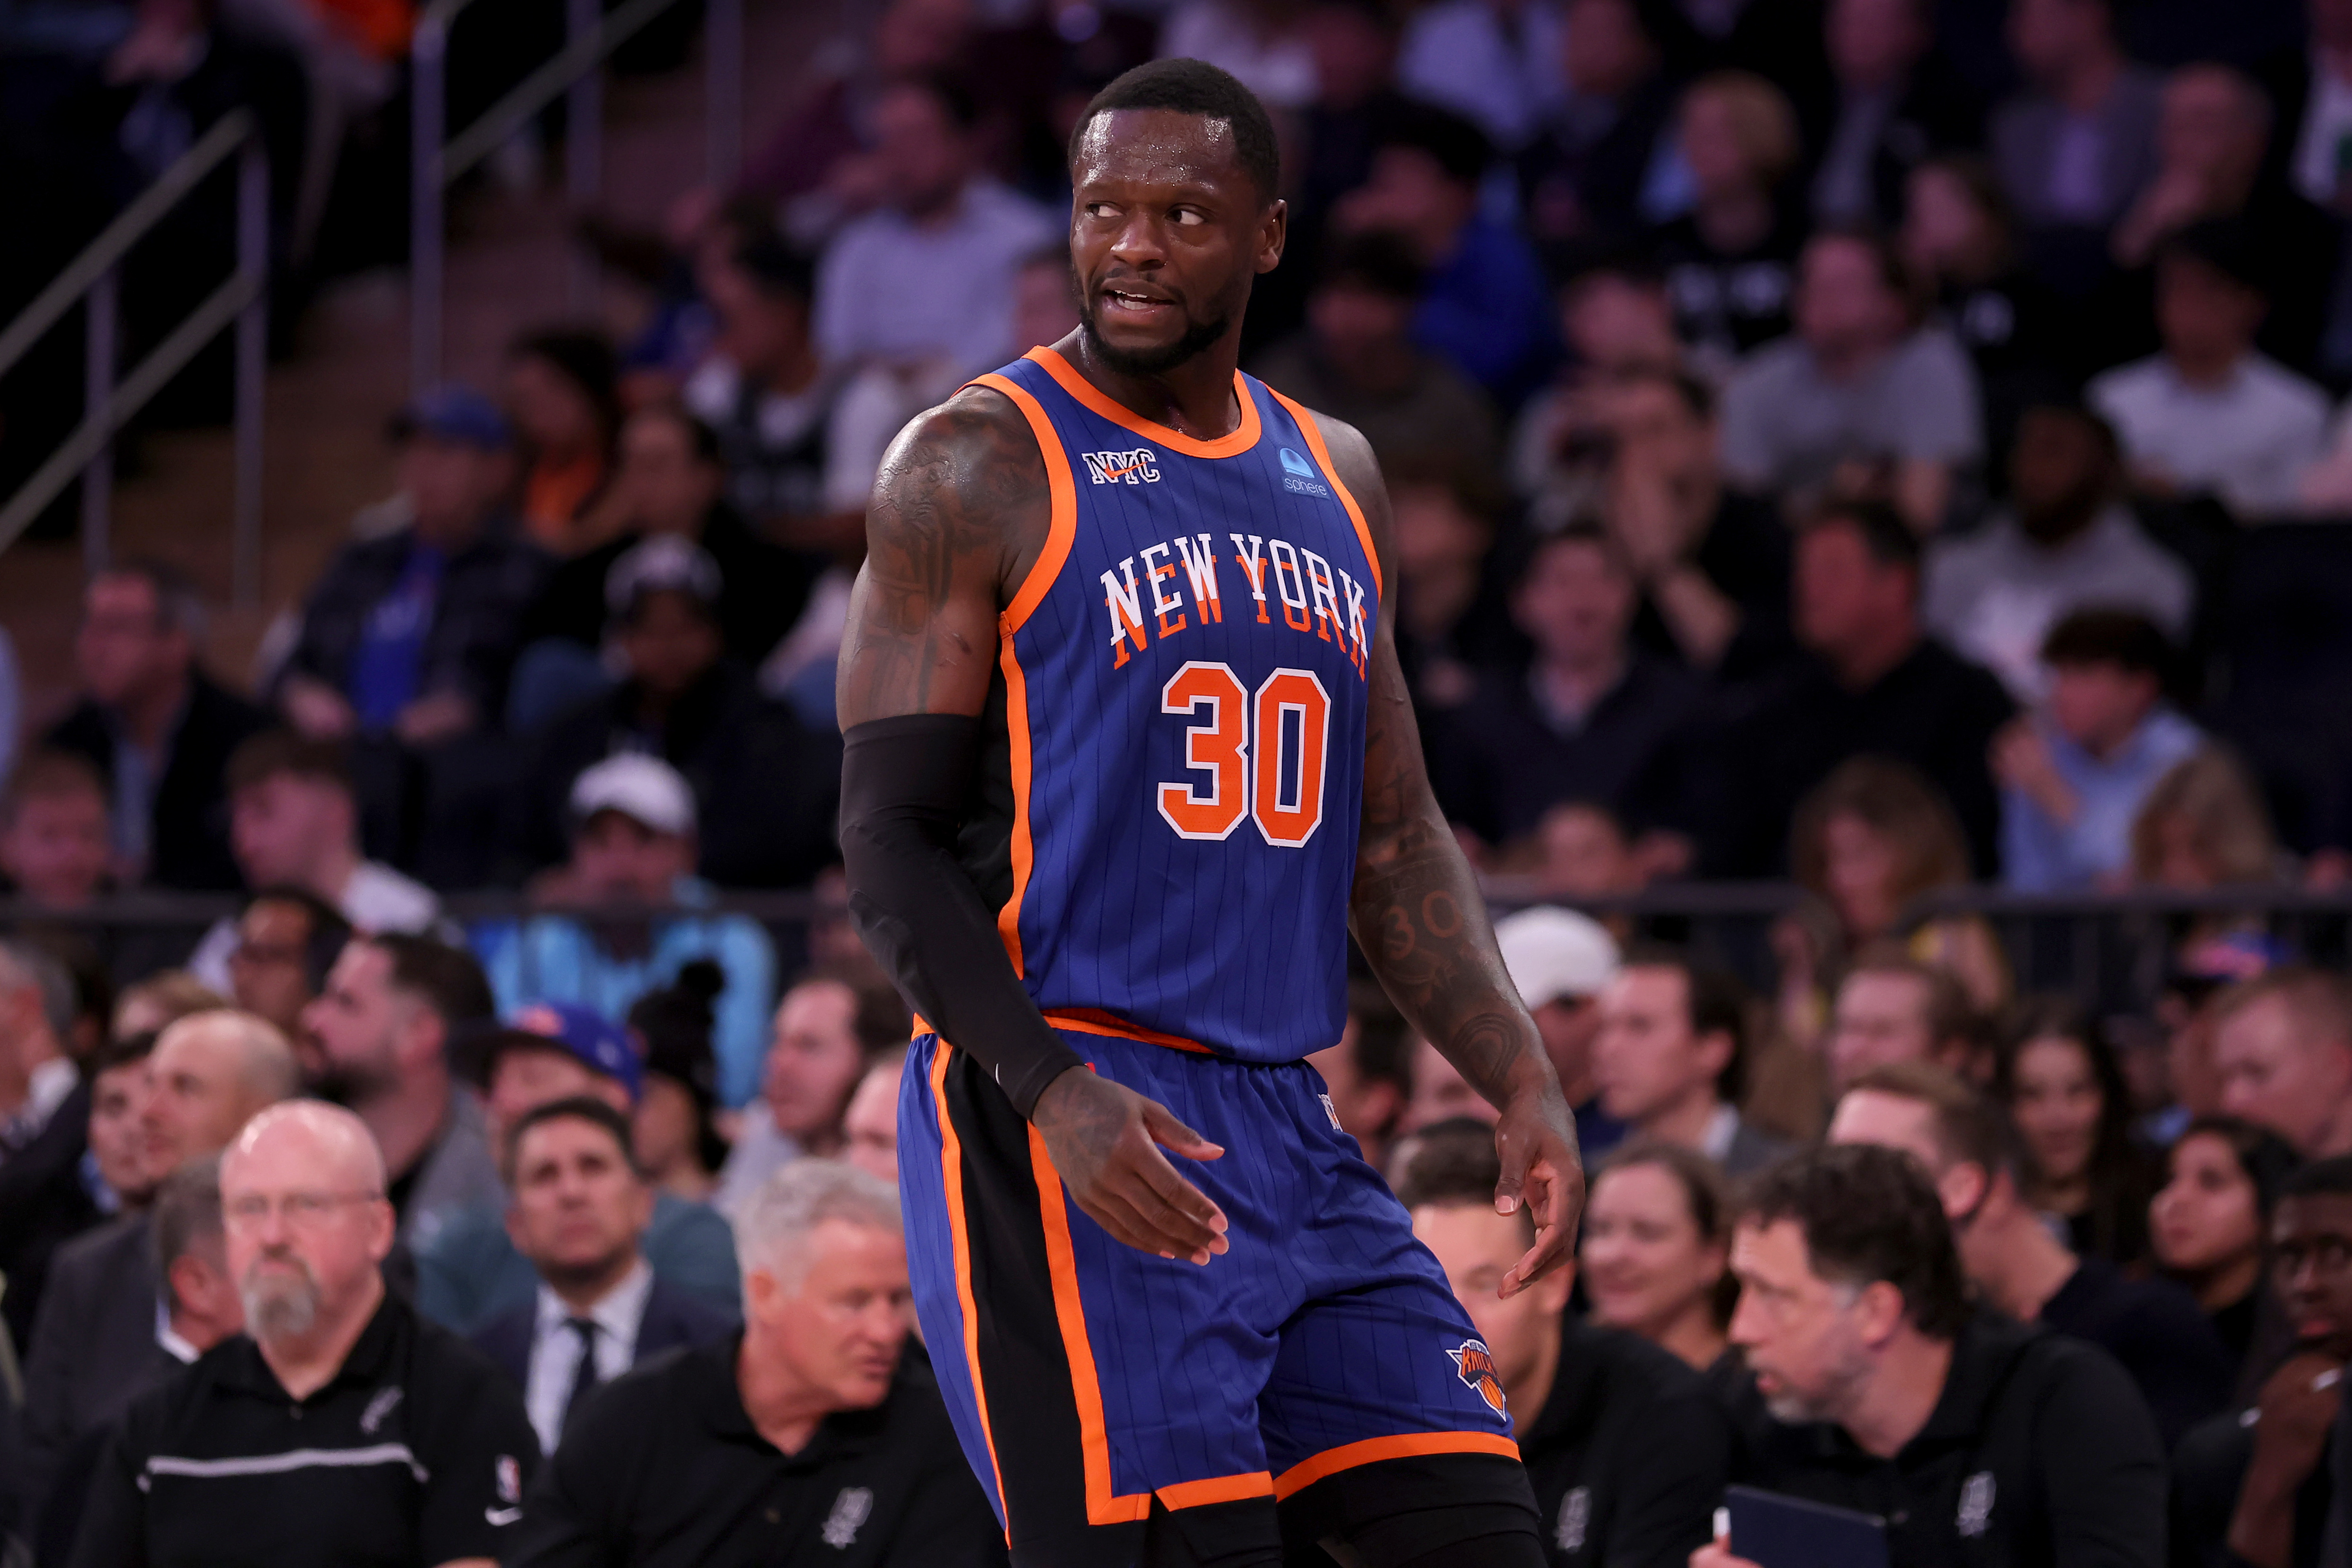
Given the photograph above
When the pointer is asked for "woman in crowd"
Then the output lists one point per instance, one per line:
(677, 1135)
(2204, 825)
(1870, 838)
(562, 393)
(1655, 1250)
(2207, 1223)
(2058, 1079)
(1731, 260)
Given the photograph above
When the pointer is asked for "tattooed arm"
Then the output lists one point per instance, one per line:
(961, 511)
(1418, 915)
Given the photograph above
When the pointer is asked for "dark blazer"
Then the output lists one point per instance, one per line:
(188, 834)
(42, 1205)
(672, 1318)
(93, 1348)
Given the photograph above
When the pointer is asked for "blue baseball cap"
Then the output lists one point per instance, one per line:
(452, 412)
(582, 1032)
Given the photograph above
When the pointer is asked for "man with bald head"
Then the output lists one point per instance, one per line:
(340, 1428)
(94, 1341)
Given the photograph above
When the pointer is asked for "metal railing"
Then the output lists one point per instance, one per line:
(438, 161)
(108, 403)
(2108, 951)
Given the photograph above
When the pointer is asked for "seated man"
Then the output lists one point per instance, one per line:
(1358, 361)
(92, 1342)
(1860, 379)
(56, 847)
(812, 1420)
(869, 1128)
(294, 816)
(2208, 414)
(633, 849)
(1626, 1449)
(1892, 1007)
(826, 1026)
(1561, 961)
(471, 1271)
(156, 728)
(764, 783)
(2153, 1328)
(407, 639)
(1877, 1388)
(1670, 1059)
(287, 940)
(2281, 1044)
(2066, 543)
(579, 1210)
(199, 1308)
(2073, 776)
(293, 1442)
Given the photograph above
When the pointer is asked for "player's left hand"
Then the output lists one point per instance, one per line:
(1541, 1168)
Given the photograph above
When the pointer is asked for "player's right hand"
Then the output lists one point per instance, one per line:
(1105, 1141)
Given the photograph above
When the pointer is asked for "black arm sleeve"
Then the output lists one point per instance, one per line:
(906, 786)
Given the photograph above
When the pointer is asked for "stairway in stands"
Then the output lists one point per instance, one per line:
(325, 453)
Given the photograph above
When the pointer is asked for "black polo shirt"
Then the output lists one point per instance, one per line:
(415, 1454)
(666, 1470)
(1627, 1456)
(2039, 1454)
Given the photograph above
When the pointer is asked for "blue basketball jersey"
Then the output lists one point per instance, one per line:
(1182, 679)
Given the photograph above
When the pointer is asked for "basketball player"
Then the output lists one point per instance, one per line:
(1122, 704)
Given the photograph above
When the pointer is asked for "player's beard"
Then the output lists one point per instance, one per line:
(1196, 341)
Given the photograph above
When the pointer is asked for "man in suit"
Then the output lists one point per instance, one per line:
(199, 1306)
(155, 727)
(94, 1337)
(580, 1205)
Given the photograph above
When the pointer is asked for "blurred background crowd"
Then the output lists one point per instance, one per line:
(1867, 479)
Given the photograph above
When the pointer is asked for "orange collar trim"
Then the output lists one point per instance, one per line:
(1242, 439)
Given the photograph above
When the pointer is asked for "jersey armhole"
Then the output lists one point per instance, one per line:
(1063, 490)
(1310, 428)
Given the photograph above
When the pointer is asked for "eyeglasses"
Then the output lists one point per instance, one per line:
(302, 1210)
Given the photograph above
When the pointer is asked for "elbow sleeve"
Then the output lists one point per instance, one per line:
(906, 784)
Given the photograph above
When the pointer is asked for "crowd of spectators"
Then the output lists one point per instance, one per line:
(1871, 446)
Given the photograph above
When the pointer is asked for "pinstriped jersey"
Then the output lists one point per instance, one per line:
(1182, 683)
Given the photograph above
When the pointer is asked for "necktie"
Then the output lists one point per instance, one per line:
(585, 1378)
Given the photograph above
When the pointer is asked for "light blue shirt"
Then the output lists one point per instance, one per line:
(2039, 855)
(555, 958)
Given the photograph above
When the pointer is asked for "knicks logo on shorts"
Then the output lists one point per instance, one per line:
(1476, 1364)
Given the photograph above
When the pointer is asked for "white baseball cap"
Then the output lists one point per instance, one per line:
(1555, 954)
(644, 789)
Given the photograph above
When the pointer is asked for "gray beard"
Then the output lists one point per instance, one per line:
(278, 1308)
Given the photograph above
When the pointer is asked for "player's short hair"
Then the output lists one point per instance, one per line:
(1196, 87)
(1869, 1214)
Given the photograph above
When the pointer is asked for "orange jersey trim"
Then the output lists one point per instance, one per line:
(951, 1175)
(1314, 434)
(1060, 485)
(1216, 1489)
(1092, 1021)
(1372, 1450)
(1103, 1506)
(1016, 725)
(1243, 437)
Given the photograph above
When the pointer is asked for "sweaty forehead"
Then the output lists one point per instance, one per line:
(1158, 147)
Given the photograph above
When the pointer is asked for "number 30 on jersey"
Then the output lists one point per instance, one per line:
(1262, 753)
